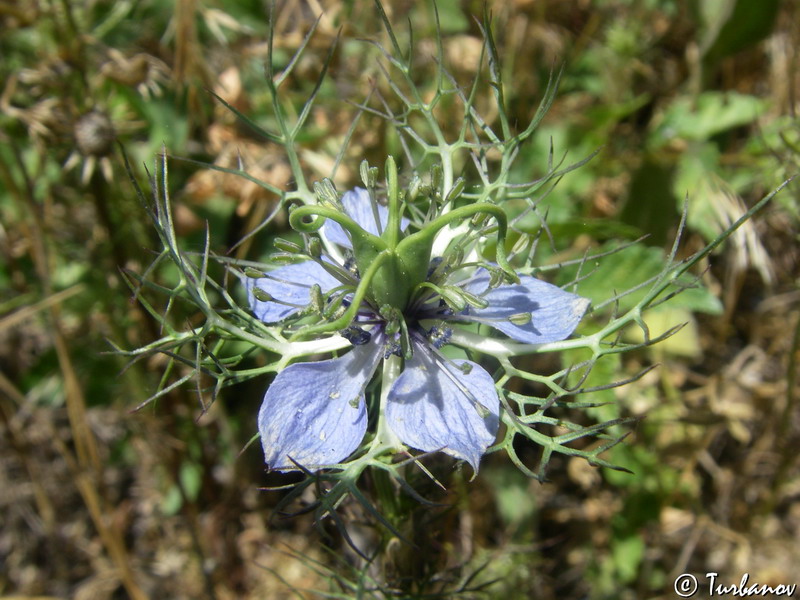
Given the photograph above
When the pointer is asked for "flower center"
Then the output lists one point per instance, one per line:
(406, 256)
(394, 266)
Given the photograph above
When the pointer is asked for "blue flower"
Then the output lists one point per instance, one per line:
(315, 414)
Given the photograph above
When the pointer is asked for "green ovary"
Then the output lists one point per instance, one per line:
(403, 270)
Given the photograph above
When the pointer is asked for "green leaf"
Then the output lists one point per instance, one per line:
(707, 115)
(511, 488)
(191, 475)
(733, 25)
(685, 342)
(633, 265)
(627, 555)
(172, 502)
(451, 18)
(650, 205)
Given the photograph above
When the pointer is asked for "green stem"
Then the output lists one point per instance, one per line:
(426, 235)
(359, 236)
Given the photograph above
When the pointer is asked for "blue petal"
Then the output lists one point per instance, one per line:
(429, 412)
(554, 313)
(291, 284)
(315, 412)
(358, 207)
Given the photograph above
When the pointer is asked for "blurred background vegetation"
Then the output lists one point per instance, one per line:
(683, 98)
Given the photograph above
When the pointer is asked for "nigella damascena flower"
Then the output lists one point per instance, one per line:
(315, 414)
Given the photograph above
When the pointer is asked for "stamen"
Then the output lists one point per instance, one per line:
(286, 258)
(355, 335)
(521, 319)
(317, 301)
(327, 194)
(396, 325)
(444, 363)
(369, 175)
(352, 311)
(338, 272)
(392, 346)
(287, 246)
(254, 273)
(439, 335)
(263, 296)
(433, 265)
(350, 266)
(472, 318)
(375, 214)
(314, 246)
(473, 300)
(336, 306)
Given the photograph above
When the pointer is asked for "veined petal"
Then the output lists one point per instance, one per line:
(315, 412)
(554, 313)
(429, 411)
(358, 207)
(290, 284)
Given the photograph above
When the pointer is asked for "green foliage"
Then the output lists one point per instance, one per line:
(610, 278)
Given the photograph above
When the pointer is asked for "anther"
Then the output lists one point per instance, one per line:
(439, 335)
(474, 300)
(456, 191)
(317, 301)
(261, 295)
(496, 278)
(326, 192)
(350, 266)
(355, 335)
(521, 319)
(369, 175)
(392, 347)
(433, 265)
(285, 258)
(314, 247)
(286, 245)
(336, 307)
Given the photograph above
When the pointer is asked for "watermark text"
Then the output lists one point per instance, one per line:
(686, 586)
